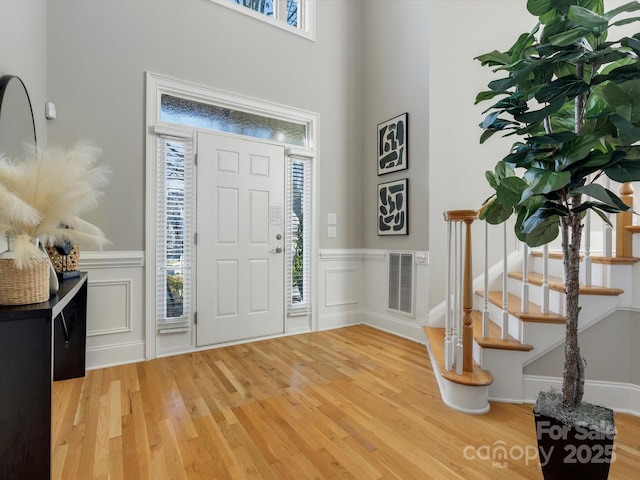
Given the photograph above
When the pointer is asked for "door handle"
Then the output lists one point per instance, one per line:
(277, 250)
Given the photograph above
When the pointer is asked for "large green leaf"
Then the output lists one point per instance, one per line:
(496, 213)
(606, 196)
(488, 95)
(539, 115)
(539, 7)
(627, 132)
(597, 160)
(486, 135)
(596, 206)
(510, 191)
(518, 158)
(569, 37)
(494, 58)
(575, 151)
(624, 98)
(544, 232)
(624, 171)
(545, 181)
(502, 84)
(491, 179)
(586, 18)
(512, 105)
(552, 138)
(625, 21)
(562, 88)
(631, 153)
(503, 171)
(627, 7)
(524, 41)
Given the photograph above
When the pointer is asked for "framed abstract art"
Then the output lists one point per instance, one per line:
(393, 208)
(392, 144)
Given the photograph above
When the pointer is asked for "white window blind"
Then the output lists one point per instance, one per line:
(174, 234)
(298, 236)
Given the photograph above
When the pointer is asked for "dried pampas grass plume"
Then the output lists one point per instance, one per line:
(43, 194)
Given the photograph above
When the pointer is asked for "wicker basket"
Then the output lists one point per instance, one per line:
(22, 287)
(62, 264)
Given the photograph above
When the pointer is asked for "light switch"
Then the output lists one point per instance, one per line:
(331, 232)
(50, 110)
(331, 219)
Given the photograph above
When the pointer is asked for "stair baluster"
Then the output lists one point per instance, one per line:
(457, 326)
(545, 279)
(524, 303)
(587, 250)
(505, 292)
(485, 294)
(448, 319)
(607, 232)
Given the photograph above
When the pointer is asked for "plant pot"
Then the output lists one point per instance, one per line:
(578, 451)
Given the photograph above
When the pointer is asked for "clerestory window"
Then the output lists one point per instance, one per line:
(296, 16)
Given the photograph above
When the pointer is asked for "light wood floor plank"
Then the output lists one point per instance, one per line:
(353, 403)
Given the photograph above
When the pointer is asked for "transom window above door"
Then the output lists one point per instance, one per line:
(295, 16)
(222, 119)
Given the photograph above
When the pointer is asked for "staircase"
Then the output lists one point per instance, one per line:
(515, 317)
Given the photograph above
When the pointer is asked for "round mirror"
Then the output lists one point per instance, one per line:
(16, 117)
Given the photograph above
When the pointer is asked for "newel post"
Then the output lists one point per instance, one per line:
(467, 217)
(624, 240)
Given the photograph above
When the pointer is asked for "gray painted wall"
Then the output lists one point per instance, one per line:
(608, 347)
(457, 161)
(396, 81)
(99, 52)
(23, 36)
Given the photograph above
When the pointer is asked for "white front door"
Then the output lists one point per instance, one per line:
(240, 225)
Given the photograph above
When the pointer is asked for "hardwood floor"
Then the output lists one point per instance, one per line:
(353, 403)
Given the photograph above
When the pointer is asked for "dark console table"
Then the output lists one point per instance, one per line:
(38, 343)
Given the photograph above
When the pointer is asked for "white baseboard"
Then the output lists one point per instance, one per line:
(112, 355)
(396, 326)
(338, 320)
(620, 397)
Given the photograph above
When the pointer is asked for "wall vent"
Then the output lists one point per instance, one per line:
(401, 282)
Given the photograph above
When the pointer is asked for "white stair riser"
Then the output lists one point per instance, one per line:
(599, 271)
(556, 299)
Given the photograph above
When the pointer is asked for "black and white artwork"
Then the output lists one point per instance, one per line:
(392, 144)
(393, 208)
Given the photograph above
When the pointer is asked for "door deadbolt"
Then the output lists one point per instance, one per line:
(278, 237)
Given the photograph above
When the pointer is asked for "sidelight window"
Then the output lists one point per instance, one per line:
(174, 233)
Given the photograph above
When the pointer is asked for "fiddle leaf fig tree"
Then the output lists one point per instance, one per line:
(570, 97)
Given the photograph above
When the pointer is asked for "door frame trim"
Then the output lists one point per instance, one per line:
(156, 85)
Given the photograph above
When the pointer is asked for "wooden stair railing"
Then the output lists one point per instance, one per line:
(459, 323)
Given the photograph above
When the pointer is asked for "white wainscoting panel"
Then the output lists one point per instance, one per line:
(115, 307)
(342, 286)
(340, 290)
(354, 289)
(109, 310)
(376, 282)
